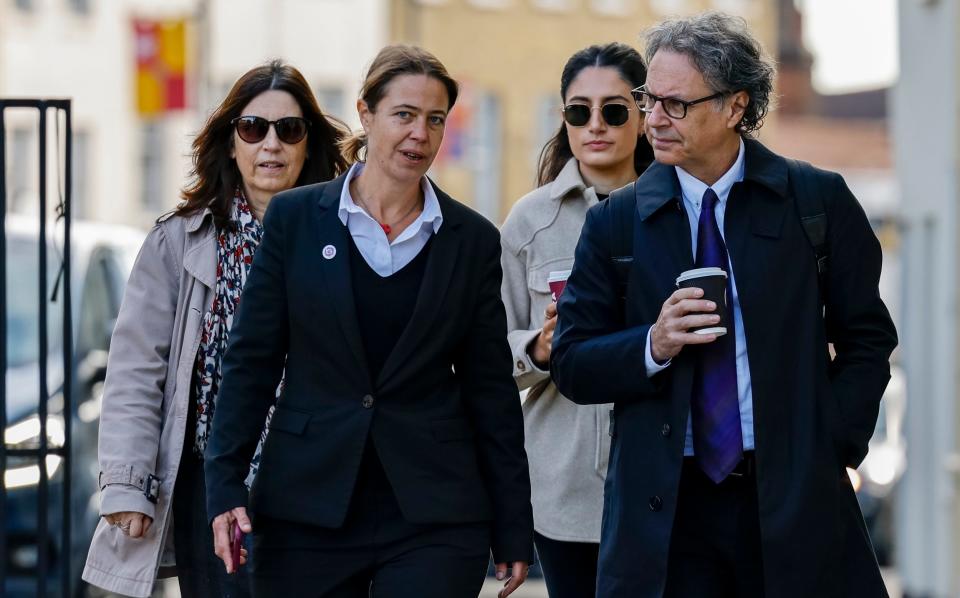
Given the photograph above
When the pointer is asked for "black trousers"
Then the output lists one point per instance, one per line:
(375, 554)
(200, 572)
(715, 547)
(569, 568)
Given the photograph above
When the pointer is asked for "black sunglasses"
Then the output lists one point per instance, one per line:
(674, 107)
(252, 129)
(578, 115)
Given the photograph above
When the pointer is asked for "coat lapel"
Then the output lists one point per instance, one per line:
(336, 269)
(200, 254)
(665, 230)
(755, 215)
(659, 197)
(436, 280)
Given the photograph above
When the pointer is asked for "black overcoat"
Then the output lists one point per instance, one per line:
(813, 415)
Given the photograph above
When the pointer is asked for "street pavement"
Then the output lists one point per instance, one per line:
(534, 588)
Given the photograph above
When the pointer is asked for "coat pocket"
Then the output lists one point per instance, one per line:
(289, 420)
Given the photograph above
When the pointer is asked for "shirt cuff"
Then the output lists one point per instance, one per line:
(652, 366)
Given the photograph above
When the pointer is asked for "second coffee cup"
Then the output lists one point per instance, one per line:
(713, 281)
(557, 281)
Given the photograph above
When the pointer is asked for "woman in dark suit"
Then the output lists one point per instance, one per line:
(395, 458)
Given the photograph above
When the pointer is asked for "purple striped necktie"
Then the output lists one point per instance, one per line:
(715, 407)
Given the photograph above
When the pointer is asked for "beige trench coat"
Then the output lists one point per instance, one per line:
(146, 395)
(567, 444)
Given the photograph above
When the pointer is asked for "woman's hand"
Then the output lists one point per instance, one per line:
(223, 533)
(518, 574)
(130, 523)
(540, 349)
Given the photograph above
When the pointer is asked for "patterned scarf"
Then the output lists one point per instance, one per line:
(236, 245)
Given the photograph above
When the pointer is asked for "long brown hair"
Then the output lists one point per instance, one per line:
(215, 175)
(391, 62)
(627, 61)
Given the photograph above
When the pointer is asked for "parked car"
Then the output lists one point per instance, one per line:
(101, 259)
(878, 475)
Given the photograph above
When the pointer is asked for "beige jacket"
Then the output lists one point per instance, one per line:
(567, 444)
(146, 395)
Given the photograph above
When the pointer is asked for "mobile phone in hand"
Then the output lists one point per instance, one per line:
(236, 541)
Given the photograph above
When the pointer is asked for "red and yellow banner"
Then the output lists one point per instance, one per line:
(161, 65)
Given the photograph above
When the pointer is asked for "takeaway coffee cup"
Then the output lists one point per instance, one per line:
(557, 281)
(713, 281)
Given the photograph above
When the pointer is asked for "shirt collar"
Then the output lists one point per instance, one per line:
(693, 188)
(431, 213)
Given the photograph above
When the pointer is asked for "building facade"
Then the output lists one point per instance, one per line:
(509, 54)
(127, 167)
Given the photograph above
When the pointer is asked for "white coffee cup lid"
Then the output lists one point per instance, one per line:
(700, 273)
(718, 330)
(558, 275)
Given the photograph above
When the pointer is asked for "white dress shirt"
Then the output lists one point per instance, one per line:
(385, 257)
(693, 190)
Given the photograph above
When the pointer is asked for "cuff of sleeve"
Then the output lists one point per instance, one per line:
(512, 549)
(116, 498)
(653, 367)
(523, 364)
(226, 500)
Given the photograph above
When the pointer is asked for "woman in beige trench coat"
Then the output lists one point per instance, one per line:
(163, 371)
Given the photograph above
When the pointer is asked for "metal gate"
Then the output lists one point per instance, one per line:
(27, 457)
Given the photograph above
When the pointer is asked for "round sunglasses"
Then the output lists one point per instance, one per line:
(578, 115)
(252, 129)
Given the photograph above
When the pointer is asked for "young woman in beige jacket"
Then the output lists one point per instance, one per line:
(600, 147)
(163, 372)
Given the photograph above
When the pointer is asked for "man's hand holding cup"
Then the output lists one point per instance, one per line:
(695, 314)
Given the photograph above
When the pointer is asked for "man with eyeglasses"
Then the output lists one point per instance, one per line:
(727, 472)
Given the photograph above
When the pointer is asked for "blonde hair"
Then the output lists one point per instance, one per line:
(391, 62)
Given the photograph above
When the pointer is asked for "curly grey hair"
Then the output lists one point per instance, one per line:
(726, 54)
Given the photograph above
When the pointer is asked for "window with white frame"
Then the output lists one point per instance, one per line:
(546, 122)
(734, 7)
(21, 167)
(670, 7)
(613, 8)
(553, 5)
(490, 4)
(485, 154)
(332, 100)
(80, 175)
(151, 166)
(80, 7)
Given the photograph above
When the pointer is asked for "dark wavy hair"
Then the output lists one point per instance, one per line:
(726, 54)
(390, 63)
(215, 176)
(627, 61)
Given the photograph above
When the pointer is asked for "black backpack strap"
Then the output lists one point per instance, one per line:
(808, 197)
(623, 204)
